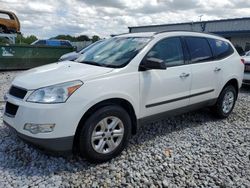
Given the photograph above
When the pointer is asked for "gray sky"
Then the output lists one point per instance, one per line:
(48, 18)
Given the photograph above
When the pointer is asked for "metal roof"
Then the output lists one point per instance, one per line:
(208, 21)
(223, 27)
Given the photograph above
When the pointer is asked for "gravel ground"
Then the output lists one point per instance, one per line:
(5, 79)
(191, 150)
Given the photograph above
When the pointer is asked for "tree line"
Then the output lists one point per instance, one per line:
(32, 38)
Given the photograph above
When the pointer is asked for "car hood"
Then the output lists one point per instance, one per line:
(58, 73)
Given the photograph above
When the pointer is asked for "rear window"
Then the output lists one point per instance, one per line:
(220, 49)
(199, 49)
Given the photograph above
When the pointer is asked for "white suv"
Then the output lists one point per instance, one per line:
(93, 105)
(246, 59)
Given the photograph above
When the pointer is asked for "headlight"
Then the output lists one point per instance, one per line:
(54, 94)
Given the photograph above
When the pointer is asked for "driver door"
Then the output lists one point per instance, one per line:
(165, 90)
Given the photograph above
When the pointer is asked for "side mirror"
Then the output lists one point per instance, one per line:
(152, 63)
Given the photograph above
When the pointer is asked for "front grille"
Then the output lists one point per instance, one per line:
(17, 92)
(11, 109)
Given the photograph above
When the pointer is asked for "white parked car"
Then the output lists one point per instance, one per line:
(246, 79)
(94, 105)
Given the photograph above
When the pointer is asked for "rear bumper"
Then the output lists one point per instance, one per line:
(55, 145)
(246, 82)
(246, 78)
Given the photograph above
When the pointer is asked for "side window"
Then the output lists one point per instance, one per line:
(53, 43)
(169, 50)
(5, 16)
(221, 49)
(199, 49)
(63, 43)
(248, 53)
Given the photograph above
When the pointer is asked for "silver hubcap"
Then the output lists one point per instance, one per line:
(107, 135)
(228, 102)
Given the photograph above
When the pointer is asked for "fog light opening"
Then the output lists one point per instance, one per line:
(39, 128)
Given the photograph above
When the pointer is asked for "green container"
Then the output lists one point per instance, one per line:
(14, 57)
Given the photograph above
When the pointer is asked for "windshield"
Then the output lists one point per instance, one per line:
(247, 53)
(114, 52)
(81, 51)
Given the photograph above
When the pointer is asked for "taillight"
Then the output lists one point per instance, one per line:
(242, 61)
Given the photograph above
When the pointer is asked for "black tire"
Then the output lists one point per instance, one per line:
(218, 107)
(85, 144)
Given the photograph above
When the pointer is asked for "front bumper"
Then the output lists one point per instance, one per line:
(60, 145)
(62, 115)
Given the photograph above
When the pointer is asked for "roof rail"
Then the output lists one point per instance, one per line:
(166, 31)
(114, 35)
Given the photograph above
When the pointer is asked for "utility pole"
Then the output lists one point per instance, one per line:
(200, 17)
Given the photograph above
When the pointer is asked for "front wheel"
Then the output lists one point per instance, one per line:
(225, 103)
(105, 134)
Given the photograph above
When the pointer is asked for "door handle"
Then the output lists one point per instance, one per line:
(217, 69)
(184, 75)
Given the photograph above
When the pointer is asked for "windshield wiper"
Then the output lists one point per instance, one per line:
(97, 64)
(91, 63)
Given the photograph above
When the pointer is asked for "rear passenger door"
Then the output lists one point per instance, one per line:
(221, 51)
(206, 73)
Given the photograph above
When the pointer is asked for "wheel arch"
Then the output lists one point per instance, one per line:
(112, 101)
(234, 83)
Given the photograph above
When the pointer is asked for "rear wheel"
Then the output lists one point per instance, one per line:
(225, 103)
(105, 134)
